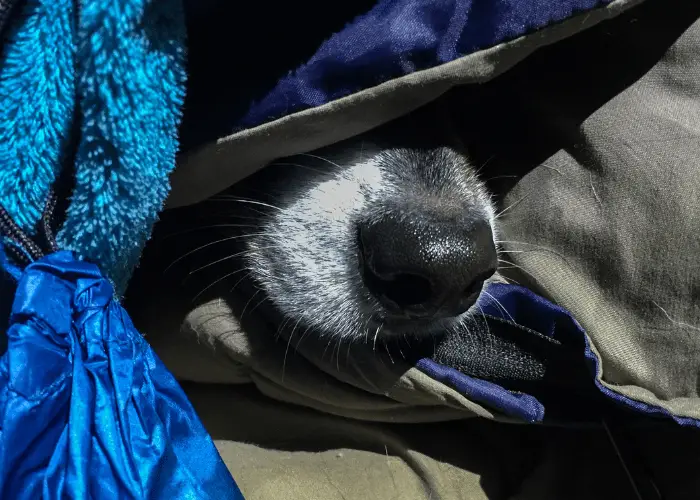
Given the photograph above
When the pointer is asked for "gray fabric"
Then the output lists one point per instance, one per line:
(609, 190)
(594, 145)
(207, 344)
(608, 223)
(281, 451)
(208, 170)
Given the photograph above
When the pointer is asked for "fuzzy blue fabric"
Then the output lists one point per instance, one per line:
(37, 97)
(109, 75)
(87, 410)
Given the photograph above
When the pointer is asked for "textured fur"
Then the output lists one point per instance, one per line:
(302, 251)
(94, 90)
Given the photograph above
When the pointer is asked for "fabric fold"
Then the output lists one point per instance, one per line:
(87, 410)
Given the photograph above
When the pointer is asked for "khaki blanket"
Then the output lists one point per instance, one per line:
(594, 143)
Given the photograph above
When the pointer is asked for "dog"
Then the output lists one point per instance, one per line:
(387, 234)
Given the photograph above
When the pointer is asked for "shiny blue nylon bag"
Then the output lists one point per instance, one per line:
(87, 410)
(91, 91)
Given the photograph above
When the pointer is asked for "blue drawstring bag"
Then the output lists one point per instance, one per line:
(102, 418)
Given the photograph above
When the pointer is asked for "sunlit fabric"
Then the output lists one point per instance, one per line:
(86, 408)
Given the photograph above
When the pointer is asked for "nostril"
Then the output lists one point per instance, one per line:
(399, 289)
(416, 269)
(404, 290)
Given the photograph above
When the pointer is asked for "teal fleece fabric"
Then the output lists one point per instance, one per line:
(95, 86)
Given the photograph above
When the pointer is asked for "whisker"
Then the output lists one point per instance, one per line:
(675, 321)
(365, 329)
(260, 213)
(478, 170)
(400, 351)
(386, 348)
(249, 189)
(286, 351)
(248, 303)
(202, 228)
(500, 305)
(337, 357)
(265, 298)
(516, 242)
(228, 257)
(510, 280)
(296, 348)
(281, 327)
(305, 167)
(488, 330)
(229, 215)
(323, 354)
(243, 200)
(542, 248)
(515, 266)
(240, 281)
(218, 280)
(211, 243)
(515, 204)
(321, 158)
(376, 334)
(499, 242)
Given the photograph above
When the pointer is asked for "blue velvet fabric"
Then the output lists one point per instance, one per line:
(399, 37)
(87, 410)
(527, 310)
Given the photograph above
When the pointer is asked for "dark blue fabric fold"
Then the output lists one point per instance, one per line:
(87, 410)
(397, 38)
(520, 406)
(524, 309)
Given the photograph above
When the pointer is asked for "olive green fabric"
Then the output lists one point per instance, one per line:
(282, 451)
(208, 344)
(212, 168)
(593, 145)
(606, 223)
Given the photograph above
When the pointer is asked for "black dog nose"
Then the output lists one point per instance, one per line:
(422, 266)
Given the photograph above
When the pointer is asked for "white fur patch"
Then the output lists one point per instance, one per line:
(306, 255)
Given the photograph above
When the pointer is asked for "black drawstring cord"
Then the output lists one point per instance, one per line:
(22, 248)
(47, 218)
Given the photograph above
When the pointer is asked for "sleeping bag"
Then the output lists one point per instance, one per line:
(586, 111)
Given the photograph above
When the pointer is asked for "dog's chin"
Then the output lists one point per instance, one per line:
(417, 328)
